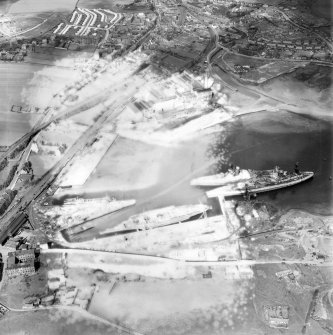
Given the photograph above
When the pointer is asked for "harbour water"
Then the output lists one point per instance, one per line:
(264, 140)
(256, 141)
(14, 77)
(178, 166)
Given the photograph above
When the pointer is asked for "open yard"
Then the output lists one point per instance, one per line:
(53, 322)
(14, 290)
(203, 306)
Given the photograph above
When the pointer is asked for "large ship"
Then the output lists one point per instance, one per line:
(101, 205)
(77, 210)
(159, 217)
(261, 181)
(81, 201)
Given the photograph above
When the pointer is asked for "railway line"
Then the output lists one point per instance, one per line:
(9, 221)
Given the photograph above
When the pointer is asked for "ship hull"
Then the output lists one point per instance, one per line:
(225, 192)
(154, 221)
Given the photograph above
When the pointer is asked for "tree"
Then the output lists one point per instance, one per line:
(3, 163)
(27, 166)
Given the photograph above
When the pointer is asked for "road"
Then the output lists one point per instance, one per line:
(144, 257)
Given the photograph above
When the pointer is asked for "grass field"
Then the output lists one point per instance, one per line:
(105, 4)
(263, 69)
(231, 60)
(40, 6)
(53, 322)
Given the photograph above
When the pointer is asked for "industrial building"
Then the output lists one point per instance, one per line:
(22, 262)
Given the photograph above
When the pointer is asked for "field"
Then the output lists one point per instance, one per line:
(40, 6)
(262, 70)
(47, 26)
(14, 290)
(172, 61)
(53, 322)
(231, 59)
(105, 4)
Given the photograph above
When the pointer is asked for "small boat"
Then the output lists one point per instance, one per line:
(261, 181)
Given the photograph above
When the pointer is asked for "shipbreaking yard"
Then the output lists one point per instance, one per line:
(162, 266)
(120, 230)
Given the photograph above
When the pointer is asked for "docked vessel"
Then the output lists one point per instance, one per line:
(100, 205)
(77, 210)
(160, 217)
(261, 181)
(80, 201)
(220, 179)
